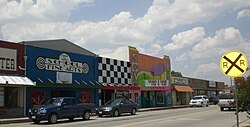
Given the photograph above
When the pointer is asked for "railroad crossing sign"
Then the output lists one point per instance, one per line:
(233, 64)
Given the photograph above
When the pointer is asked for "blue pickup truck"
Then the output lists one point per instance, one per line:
(61, 107)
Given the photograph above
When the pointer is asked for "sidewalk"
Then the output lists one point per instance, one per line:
(26, 119)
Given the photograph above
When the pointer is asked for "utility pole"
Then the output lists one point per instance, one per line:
(236, 102)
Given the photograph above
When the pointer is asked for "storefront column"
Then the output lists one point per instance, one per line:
(24, 101)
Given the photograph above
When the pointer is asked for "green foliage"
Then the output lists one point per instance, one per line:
(244, 92)
(176, 74)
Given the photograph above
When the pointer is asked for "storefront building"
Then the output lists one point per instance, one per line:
(13, 82)
(152, 76)
(181, 91)
(61, 69)
(115, 76)
(206, 87)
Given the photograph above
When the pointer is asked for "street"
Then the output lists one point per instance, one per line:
(185, 117)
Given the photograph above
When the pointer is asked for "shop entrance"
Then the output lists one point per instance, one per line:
(10, 97)
(145, 99)
(107, 95)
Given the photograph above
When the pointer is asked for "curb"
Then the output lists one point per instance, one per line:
(162, 108)
(26, 119)
(15, 121)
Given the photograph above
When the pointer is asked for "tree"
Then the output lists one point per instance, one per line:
(243, 92)
(176, 74)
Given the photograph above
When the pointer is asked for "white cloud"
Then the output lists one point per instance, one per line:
(154, 49)
(209, 71)
(243, 13)
(223, 41)
(121, 53)
(182, 57)
(206, 69)
(28, 11)
(46, 19)
(206, 54)
(215, 46)
(186, 38)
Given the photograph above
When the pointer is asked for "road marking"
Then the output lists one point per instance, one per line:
(163, 119)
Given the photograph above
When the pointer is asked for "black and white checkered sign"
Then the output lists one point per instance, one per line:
(114, 72)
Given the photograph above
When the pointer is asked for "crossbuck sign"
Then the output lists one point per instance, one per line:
(233, 64)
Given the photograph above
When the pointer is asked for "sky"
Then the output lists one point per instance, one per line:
(193, 33)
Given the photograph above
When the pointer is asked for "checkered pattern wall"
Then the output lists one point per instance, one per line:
(112, 72)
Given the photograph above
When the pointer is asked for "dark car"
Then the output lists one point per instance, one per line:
(61, 107)
(214, 100)
(116, 107)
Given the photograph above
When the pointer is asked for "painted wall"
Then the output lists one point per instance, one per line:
(150, 74)
(63, 74)
(46, 66)
(145, 67)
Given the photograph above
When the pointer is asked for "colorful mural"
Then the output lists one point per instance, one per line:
(152, 75)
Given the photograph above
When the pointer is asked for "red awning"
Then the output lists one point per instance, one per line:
(121, 88)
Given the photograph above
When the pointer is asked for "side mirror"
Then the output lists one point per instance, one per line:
(121, 103)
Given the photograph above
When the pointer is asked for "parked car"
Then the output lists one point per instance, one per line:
(200, 100)
(61, 107)
(226, 101)
(116, 107)
(213, 100)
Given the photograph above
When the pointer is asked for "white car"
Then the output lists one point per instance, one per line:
(200, 100)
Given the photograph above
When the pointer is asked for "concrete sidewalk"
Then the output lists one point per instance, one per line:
(26, 119)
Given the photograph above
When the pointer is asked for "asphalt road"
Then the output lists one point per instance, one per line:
(186, 117)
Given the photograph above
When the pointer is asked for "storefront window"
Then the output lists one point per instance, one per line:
(85, 97)
(36, 98)
(159, 98)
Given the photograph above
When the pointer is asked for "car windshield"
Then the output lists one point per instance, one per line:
(226, 96)
(113, 102)
(55, 101)
(197, 98)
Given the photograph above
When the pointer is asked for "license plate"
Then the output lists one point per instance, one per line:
(33, 117)
(100, 112)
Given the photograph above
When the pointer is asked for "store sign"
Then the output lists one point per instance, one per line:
(151, 83)
(212, 84)
(8, 59)
(63, 64)
(180, 81)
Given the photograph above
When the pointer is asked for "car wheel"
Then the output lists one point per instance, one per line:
(36, 121)
(207, 105)
(71, 119)
(100, 115)
(133, 112)
(86, 115)
(221, 108)
(52, 118)
(116, 113)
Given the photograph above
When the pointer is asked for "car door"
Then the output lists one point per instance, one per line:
(75, 108)
(129, 105)
(67, 108)
(205, 100)
(122, 106)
